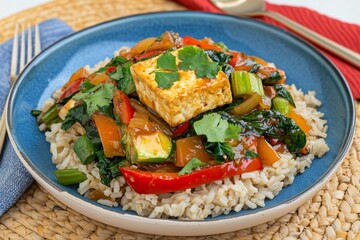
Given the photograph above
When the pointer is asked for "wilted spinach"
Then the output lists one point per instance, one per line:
(108, 168)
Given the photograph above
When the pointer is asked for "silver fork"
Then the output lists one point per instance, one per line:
(15, 60)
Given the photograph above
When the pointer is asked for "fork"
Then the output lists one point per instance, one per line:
(22, 62)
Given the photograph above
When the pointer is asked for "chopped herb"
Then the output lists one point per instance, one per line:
(251, 154)
(216, 129)
(167, 61)
(126, 83)
(221, 151)
(99, 96)
(194, 58)
(166, 79)
(255, 68)
(116, 61)
(86, 85)
(117, 74)
(274, 77)
(193, 163)
(35, 112)
(283, 92)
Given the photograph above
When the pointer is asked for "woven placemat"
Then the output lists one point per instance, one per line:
(334, 213)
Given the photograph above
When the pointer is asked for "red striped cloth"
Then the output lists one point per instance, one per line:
(343, 33)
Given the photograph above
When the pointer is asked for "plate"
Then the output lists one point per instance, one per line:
(304, 65)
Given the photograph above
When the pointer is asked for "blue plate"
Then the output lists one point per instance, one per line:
(304, 66)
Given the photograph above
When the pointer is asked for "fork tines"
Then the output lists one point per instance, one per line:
(18, 63)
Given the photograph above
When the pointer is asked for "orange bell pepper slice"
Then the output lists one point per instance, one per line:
(188, 148)
(110, 135)
(267, 153)
(300, 121)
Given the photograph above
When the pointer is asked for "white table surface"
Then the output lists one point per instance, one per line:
(345, 10)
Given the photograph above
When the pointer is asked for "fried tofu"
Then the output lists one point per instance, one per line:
(186, 99)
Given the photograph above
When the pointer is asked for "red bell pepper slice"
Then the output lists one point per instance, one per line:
(187, 40)
(156, 183)
(181, 129)
(123, 107)
(234, 59)
(71, 89)
(110, 69)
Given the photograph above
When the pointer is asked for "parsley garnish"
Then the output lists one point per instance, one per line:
(193, 163)
(194, 58)
(97, 97)
(216, 129)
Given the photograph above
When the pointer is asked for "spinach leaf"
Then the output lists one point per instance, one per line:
(79, 114)
(283, 92)
(220, 151)
(108, 168)
(274, 78)
(254, 68)
(251, 154)
(274, 124)
(222, 60)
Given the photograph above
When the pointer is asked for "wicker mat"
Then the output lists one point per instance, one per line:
(334, 213)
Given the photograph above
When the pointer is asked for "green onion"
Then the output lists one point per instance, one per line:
(243, 82)
(281, 105)
(35, 112)
(51, 114)
(84, 149)
(69, 176)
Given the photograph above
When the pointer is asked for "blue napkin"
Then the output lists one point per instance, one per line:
(14, 178)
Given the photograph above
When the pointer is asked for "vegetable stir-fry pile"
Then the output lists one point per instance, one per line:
(135, 129)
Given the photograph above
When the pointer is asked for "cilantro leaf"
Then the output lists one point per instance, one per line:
(251, 154)
(117, 74)
(216, 129)
(166, 79)
(194, 58)
(86, 85)
(167, 61)
(98, 97)
(193, 163)
(126, 83)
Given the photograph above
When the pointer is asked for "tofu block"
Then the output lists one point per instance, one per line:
(186, 99)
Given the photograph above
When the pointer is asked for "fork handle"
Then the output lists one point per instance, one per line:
(2, 129)
(327, 44)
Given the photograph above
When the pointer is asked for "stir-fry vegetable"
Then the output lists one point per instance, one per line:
(110, 135)
(252, 118)
(69, 176)
(155, 183)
